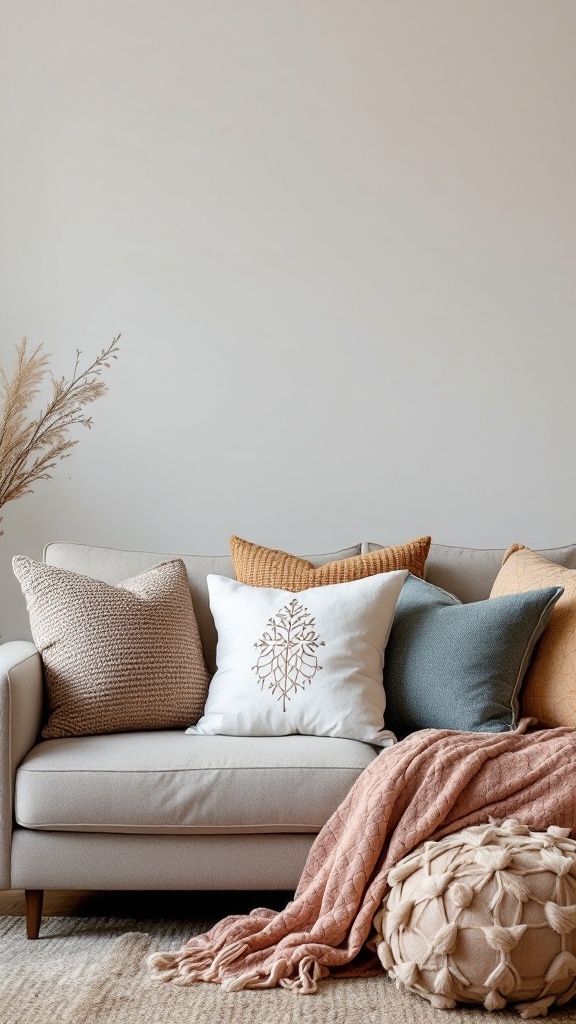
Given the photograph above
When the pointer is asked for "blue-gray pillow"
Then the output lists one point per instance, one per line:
(460, 666)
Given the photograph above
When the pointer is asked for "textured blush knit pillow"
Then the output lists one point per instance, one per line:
(266, 567)
(549, 691)
(116, 658)
(309, 664)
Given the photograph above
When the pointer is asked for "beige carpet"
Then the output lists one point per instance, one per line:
(93, 970)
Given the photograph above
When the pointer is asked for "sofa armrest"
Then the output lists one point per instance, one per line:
(21, 701)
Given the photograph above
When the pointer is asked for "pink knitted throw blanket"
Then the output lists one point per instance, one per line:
(431, 784)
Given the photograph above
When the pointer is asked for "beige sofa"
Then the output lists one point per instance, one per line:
(163, 810)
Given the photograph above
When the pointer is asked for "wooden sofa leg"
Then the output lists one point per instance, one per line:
(33, 899)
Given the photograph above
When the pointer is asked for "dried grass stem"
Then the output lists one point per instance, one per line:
(31, 447)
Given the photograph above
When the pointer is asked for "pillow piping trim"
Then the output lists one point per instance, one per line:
(536, 634)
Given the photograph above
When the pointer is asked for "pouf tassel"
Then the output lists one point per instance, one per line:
(556, 862)
(444, 982)
(567, 996)
(462, 894)
(561, 919)
(479, 835)
(504, 939)
(494, 1001)
(557, 832)
(493, 859)
(441, 1002)
(515, 887)
(514, 828)
(445, 940)
(435, 885)
(399, 915)
(503, 978)
(385, 955)
(403, 870)
(563, 966)
(376, 925)
(407, 973)
(537, 1009)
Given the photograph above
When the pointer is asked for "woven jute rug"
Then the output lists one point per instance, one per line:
(94, 970)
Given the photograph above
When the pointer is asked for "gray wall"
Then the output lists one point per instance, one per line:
(339, 239)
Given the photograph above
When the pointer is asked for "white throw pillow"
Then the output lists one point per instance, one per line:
(307, 663)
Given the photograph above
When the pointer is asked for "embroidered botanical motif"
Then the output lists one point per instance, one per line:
(287, 658)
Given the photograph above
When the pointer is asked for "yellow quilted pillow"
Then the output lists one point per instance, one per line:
(265, 567)
(549, 690)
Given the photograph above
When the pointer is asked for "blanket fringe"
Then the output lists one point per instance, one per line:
(280, 973)
(198, 961)
(256, 979)
(208, 963)
(309, 974)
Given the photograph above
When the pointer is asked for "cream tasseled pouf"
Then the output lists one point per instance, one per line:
(487, 915)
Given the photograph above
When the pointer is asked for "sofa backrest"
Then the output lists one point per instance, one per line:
(112, 565)
(466, 572)
(470, 572)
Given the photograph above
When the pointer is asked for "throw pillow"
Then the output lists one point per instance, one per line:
(460, 666)
(309, 664)
(549, 691)
(119, 658)
(267, 567)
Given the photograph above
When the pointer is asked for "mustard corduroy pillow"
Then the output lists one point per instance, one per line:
(266, 567)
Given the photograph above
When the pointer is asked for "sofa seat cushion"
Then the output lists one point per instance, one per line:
(166, 782)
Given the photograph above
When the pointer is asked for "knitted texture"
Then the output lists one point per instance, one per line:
(265, 567)
(116, 659)
(431, 784)
(549, 691)
(487, 916)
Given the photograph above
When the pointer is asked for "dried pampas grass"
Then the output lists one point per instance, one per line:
(31, 447)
